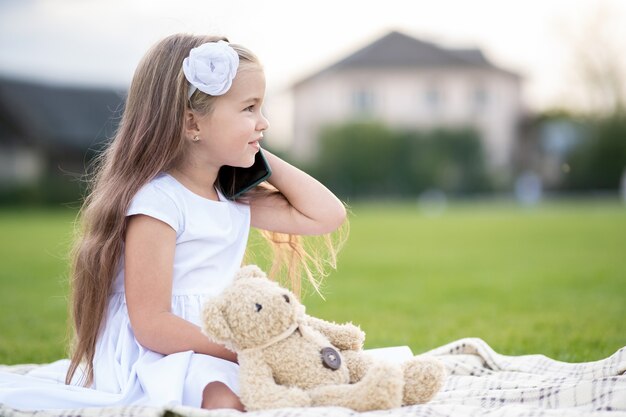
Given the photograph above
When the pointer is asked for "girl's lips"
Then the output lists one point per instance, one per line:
(255, 144)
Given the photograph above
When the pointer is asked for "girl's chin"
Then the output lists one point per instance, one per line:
(252, 157)
(246, 163)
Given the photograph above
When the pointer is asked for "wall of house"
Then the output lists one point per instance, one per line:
(19, 166)
(486, 99)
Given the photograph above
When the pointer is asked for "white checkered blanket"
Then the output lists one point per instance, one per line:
(481, 383)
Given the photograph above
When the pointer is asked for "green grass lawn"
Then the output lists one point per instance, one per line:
(549, 280)
(33, 283)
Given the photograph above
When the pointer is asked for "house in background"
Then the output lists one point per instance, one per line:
(404, 82)
(50, 130)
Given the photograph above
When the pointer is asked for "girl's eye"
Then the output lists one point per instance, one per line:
(250, 108)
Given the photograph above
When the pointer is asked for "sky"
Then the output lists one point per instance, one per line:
(99, 42)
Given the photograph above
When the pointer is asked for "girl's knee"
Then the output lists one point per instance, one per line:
(218, 395)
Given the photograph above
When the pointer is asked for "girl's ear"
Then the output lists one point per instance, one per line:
(214, 323)
(191, 124)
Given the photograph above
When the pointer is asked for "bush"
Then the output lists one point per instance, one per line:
(48, 191)
(369, 158)
(358, 158)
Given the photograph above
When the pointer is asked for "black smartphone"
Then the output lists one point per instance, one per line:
(234, 181)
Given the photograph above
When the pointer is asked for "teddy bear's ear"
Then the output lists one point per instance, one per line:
(250, 271)
(214, 323)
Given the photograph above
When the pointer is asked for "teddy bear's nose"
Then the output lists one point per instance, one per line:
(286, 297)
(258, 307)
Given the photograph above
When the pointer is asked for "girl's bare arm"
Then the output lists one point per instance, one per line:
(149, 260)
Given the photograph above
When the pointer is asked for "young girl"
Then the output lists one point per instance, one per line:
(158, 237)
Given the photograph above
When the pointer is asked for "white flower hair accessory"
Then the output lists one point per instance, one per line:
(211, 68)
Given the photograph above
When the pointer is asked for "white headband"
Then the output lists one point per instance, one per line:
(211, 68)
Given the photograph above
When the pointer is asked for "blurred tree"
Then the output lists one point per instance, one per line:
(596, 97)
(597, 63)
(599, 162)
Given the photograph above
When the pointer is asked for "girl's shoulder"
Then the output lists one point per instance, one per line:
(161, 188)
(170, 201)
(160, 199)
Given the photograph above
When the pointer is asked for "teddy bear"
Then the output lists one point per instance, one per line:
(290, 359)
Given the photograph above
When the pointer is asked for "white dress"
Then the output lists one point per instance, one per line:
(211, 237)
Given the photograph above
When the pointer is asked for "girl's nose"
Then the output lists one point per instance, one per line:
(263, 124)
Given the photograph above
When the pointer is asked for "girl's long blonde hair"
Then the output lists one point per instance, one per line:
(149, 140)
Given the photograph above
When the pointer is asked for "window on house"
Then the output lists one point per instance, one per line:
(363, 101)
(479, 98)
(433, 98)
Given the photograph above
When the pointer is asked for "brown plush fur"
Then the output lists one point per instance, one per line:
(279, 347)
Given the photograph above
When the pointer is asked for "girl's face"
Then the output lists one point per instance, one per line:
(230, 134)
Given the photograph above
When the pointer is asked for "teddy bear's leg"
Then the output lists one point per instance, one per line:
(358, 364)
(379, 389)
(260, 391)
(423, 378)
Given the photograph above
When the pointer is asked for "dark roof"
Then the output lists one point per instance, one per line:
(397, 50)
(69, 116)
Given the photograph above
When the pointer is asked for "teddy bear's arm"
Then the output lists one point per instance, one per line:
(345, 336)
(260, 391)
